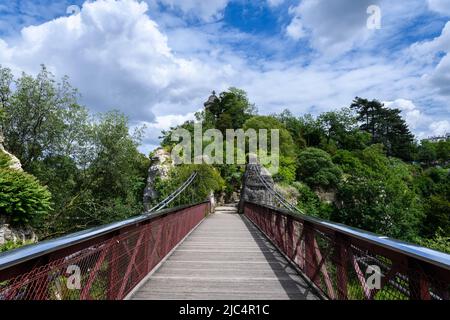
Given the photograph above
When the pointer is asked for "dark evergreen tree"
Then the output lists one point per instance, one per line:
(386, 126)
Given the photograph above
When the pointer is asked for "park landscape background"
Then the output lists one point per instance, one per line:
(359, 165)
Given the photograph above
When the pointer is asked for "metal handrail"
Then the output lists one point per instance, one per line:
(32, 251)
(415, 251)
(431, 256)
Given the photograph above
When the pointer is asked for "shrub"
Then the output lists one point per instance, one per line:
(22, 199)
(439, 242)
(316, 168)
(4, 160)
(208, 179)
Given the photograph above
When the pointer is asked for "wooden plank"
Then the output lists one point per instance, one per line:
(226, 257)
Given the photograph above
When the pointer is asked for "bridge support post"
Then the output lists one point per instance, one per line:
(418, 283)
(113, 265)
(311, 266)
(341, 261)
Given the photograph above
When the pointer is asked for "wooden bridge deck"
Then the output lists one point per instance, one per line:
(226, 257)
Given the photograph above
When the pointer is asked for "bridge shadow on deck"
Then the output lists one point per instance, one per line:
(294, 287)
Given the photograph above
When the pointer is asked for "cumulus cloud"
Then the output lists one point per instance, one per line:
(335, 26)
(153, 129)
(440, 128)
(438, 48)
(119, 57)
(423, 125)
(116, 55)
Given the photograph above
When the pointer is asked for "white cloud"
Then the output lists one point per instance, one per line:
(206, 10)
(171, 120)
(440, 128)
(412, 114)
(274, 3)
(439, 77)
(295, 29)
(441, 6)
(336, 25)
(153, 129)
(117, 56)
(423, 125)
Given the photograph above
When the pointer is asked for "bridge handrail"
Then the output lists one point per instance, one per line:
(14, 257)
(434, 257)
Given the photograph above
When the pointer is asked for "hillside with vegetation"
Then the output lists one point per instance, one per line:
(359, 165)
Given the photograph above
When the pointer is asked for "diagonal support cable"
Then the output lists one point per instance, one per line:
(164, 203)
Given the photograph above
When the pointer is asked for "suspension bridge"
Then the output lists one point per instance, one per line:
(265, 249)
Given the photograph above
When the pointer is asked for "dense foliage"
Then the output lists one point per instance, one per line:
(22, 199)
(89, 163)
(380, 178)
(359, 165)
(208, 180)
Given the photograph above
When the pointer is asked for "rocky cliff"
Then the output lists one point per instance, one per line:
(253, 189)
(160, 165)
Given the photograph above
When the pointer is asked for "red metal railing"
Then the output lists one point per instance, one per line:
(101, 263)
(344, 263)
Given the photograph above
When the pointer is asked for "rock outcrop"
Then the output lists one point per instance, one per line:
(16, 235)
(161, 163)
(14, 163)
(253, 190)
(289, 193)
(327, 196)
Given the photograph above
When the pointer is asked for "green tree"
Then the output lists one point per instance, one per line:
(443, 151)
(340, 128)
(295, 128)
(437, 211)
(23, 200)
(427, 152)
(316, 169)
(208, 180)
(286, 146)
(385, 126)
(90, 163)
(377, 194)
(231, 110)
(312, 131)
(36, 114)
(286, 151)
(6, 79)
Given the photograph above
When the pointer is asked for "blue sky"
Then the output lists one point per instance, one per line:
(158, 60)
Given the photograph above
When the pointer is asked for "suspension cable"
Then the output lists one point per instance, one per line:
(164, 203)
(274, 192)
